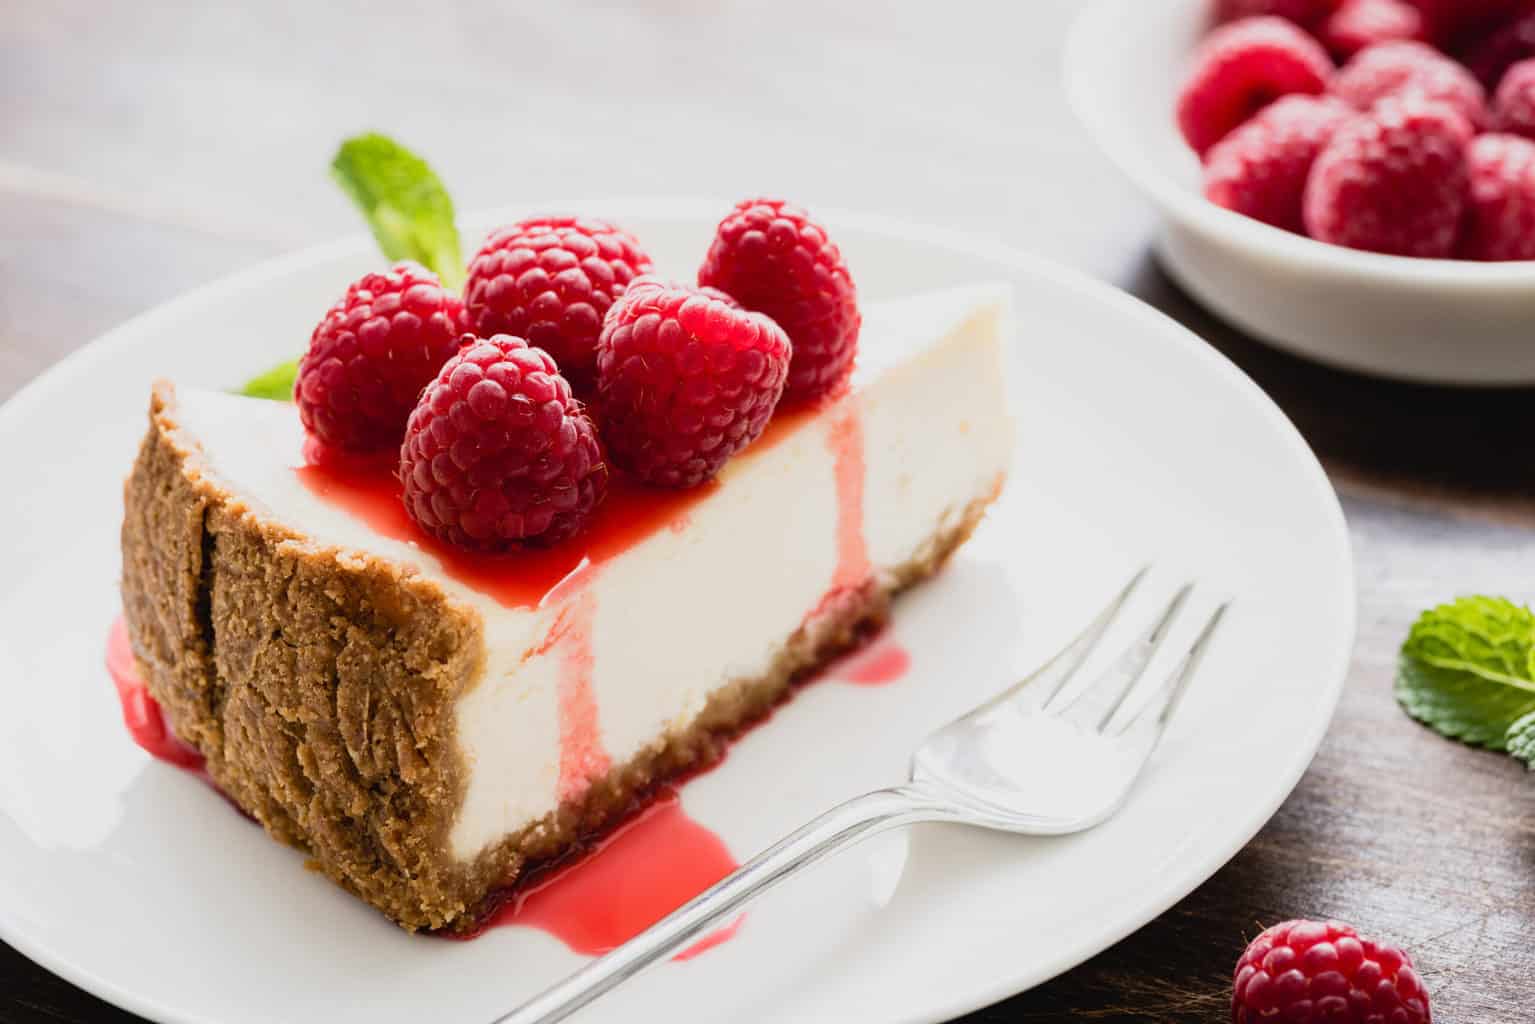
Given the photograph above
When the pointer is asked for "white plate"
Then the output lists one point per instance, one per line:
(1139, 442)
(1441, 321)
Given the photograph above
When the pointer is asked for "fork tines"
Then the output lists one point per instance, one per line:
(1106, 696)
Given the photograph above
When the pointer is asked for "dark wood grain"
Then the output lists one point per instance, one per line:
(1451, 450)
(147, 149)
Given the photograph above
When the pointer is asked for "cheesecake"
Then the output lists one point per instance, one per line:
(430, 724)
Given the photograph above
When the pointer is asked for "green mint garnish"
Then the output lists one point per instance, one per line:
(276, 383)
(411, 216)
(1467, 670)
(406, 206)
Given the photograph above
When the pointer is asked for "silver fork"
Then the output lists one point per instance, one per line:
(1041, 758)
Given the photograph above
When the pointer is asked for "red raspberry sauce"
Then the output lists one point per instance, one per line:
(883, 661)
(651, 864)
(141, 712)
(582, 756)
(846, 442)
(628, 515)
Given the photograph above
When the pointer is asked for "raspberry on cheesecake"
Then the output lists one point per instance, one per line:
(769, 256)
(685, 379)
(497, 453)
(372, 354)
(551, 280)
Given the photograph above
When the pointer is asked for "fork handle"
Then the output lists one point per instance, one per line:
(837, 829)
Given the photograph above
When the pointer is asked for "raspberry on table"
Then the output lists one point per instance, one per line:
(1407, 67)
(1359, 24)
(772, 258)
(1500, 214)
(1241, 68)
(497, 453)
(1513, 108)
(1392, 180)
(1303, 12)
(372, 354)
(1261, 168)
(551, 280)
(685, 379)
(1301, 972)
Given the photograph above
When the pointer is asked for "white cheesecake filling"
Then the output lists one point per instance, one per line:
(683, 612)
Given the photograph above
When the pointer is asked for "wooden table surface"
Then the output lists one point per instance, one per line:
(146, 151)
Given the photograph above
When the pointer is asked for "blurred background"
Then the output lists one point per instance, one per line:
(146, 149)
(200, 134)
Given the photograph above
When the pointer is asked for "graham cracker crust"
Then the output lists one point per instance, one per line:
(321, 684)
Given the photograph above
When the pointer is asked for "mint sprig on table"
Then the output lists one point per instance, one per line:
(1521, 739)
(1467, 670)
(409, 212)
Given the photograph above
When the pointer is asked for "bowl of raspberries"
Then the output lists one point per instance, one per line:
(1351, 180)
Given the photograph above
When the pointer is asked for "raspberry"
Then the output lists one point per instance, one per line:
(498, 454)
(1392, 180)
(372, 354)
(1241, 68)
(551, 280)
(1490, 56)
(1500, 216)
(774, 259)
(685, 380)
(1304, 971)
(1362, 23)
(1302, 12)
(1514, 105)
(1403, 67)
(1261, 168)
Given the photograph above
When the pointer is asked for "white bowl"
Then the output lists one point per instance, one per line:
(1443, 321)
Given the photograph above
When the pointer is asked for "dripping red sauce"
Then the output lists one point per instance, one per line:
(853, 574)
(141, 712)
(849, 470)
(881, 661)
(582, 755)
(655, 860)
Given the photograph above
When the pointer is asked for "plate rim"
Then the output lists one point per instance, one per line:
(1057, 275)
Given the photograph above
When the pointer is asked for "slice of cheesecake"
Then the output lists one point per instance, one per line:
(428, 723)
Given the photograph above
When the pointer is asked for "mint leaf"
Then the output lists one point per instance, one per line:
(1521, 739)
(406, 206)
(1467, 670)
(276, 384)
